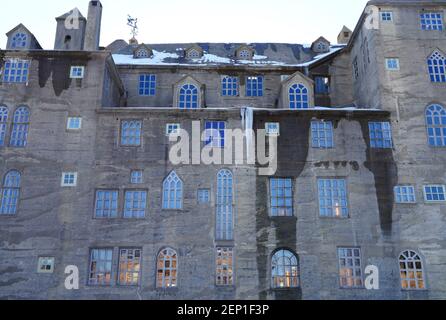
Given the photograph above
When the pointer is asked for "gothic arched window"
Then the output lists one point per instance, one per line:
(20, 126)
(173, 192)
(167, 269)
(437, 67)
(436, 125)
(10, 193)
(298, 97)
(188, 97)
(284, 270)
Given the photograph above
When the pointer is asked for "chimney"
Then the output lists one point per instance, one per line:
(93, 31)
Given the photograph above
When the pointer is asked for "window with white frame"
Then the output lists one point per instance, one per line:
(215, 134)
(431, 21)
(131, 131)
(129, 266)
(100, 270)
(224, 205)
(225, 266)
(19, 40)
(10, 193)
(412, 271)
(298, 97)
(229, 86)
(405, 194)
(392, 64)
(172, 192)
(350, 268)
(437, 67)
(272, 129)
(380, 135)
(204, 196)
(45, 265)
(434, 193)
(3, 124)
(333, 200)
(77, 72)
(188, 97)
(436, 125)
(106, 204)
(281, 195)
(254, 86)
(136, 177)
(284, 270)
(69, 179)
(74, 123)
(322, 134)
(16, 71)
(147, 85)
(172, 129)
(135, 204)
(386, 16)
(167, 269)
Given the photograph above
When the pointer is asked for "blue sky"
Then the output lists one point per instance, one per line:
(293, 21)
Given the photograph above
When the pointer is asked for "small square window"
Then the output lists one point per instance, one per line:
(74, 123)
(380, 135)
(45, 265)
(272, 129)
(322, 135)
(204, 196)
(77, 72)
(173, 128)
(435, 193)
(393, 64)
(136, 177)
(405, 194)
(69, 179)
(386, 16)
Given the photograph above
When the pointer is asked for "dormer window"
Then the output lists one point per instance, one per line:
(244, 52)
(19, 41)
(193, 54)
(321, 47)
(141, 53)
(245, 55)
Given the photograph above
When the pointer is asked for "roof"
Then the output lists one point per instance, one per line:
(267, 54)
(21, 26)
(69, 13)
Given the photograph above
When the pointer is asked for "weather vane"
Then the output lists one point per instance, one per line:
(133, 23)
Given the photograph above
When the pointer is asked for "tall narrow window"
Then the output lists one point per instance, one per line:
(229, 86)
(436, 125)
(285, 270)
(100, 267)
(225, 267)
(254, 86)
(380, 135)
(215, 133)
(298, 96)
(437, 67)
(281, 197)
(129, 266)
(224, 205)
(431, 21)
(10, 194)
(19, 41)
(135, 204)
(333, 198)
(147, 85)
(20, 127)
(106, 204)
(173, 192)
(16, 71)
(131, 133)
(167, 269)
(3, 124)
(322, 134)
(322, 85)
(412, 271)
(350, 269)
(188, 97)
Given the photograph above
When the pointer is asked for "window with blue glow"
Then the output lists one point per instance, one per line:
(434, 193)
(135, 204)
(392, 64)
(131, 133)
(16, 71)
(188, 97)
(298, 96)
(281, 197)
(322, 85)
(172, 128)
(19, 41)
(20, 127)
(204, 196)
(77, 72)
(405, 194)
(431, 21)
(380, 135)
(436, 125)
(3, 124)
(229, 86)
(147, 85)
(215, 134)
(74, 123)
(333, 202)
(136, 177)
(437, 67)
(172, 192)
(10, 194)
(386, 16)
(322, 134)
(224, 206)
(106, 204)
(254, 86)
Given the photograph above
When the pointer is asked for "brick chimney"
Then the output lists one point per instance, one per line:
(93, 30)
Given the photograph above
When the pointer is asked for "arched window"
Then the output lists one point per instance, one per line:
(285, 270)
(224, 205)
(18, 41)
(244, 54)
(167, 269)
(437, 67)
(173, 192)
(3, 124)
(11, 193)
(412, 271)
(436, 125)
(298, 96)
(20, 126)
(193, 54)
(188, 97)
(142, 53)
